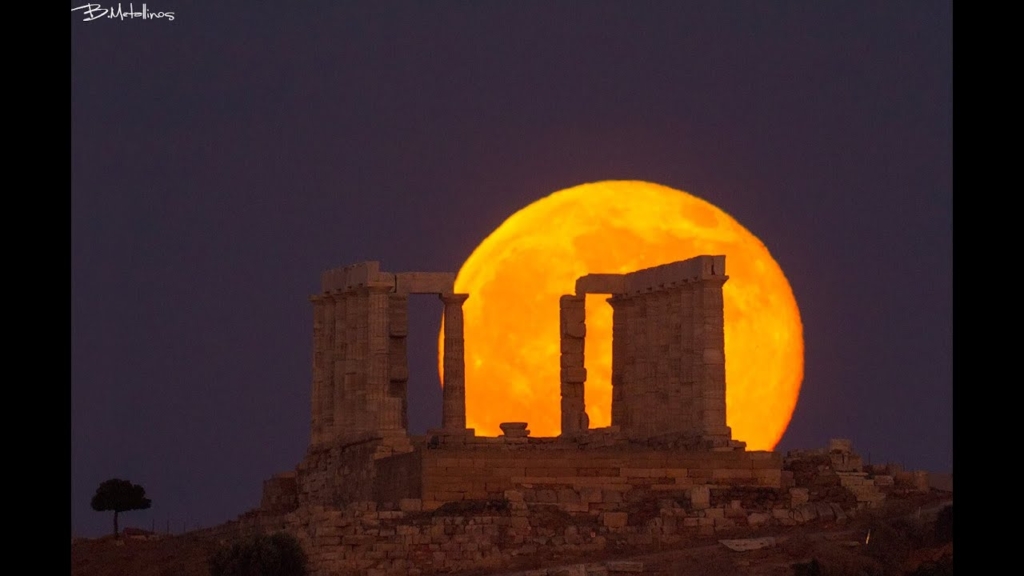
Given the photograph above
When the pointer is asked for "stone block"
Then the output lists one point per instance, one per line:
(576, 374)
(700, 497)
(574, 570)
(722, 473)
(601, 284)
(410, 504)
(805, 512)
(614, 520)
(575, 330)
(572, 346)
(571, 360)
(624, 567)
(758, 519)
(424, 282)
(513, 495)
(611, 496)
(798, 496)
(568, 496)
(840, 445)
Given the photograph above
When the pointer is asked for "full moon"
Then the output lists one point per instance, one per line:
(516, 275)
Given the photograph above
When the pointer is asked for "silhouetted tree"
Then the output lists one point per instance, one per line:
(277, 555)
(120, 496)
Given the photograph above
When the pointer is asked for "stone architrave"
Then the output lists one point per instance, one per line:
(453, 407)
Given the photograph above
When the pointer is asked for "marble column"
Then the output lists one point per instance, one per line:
(377, 377)
(327, 391)
(453, 407)
(709, 320)
(355, 362)
(573, 330)
(621, 412)
(398, 363)
(319, 369)
(339, 406)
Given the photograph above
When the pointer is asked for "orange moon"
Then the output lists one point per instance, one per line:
(516, 275)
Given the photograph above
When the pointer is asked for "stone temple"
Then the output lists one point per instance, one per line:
(668, 396)
(369, 498)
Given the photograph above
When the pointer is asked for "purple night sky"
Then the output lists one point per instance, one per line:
(221, 161)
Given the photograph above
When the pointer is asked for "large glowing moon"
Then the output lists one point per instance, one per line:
(515, 276)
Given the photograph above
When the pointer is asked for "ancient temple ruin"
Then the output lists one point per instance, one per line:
(668, 351)
(360, 369)
(668, 401)
(368, 497)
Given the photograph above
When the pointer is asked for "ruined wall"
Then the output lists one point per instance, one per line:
(280, 493)
(577, 480)
(567, 502)
(517, 529)
(337, 475)
(398, 477)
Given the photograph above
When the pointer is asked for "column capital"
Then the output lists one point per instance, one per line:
(453, 298)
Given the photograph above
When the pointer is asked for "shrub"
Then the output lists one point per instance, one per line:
(260, 555)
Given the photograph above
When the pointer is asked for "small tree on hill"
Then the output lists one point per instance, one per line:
(120, 496)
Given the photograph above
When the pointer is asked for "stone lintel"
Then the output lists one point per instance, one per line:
(425, 282)
(601, 284)
(363, 274)
(369, 275)
(349, 276)
(699, 268)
